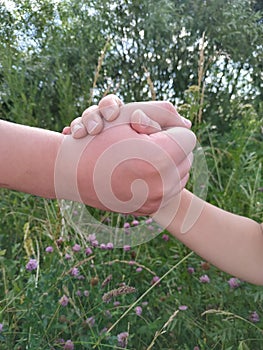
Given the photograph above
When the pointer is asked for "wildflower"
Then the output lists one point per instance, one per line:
(123, 339)
(103, 246)
(139, 269)
(233, 282)
(67, 256)
(126, 225)
(49, 249)
(138, 310)
(110, 246)
(148, 221)
(76, 248)
(155, 279)
(1, 327)
(31, 265)
(126, 248)
(69, 345)
(183, 307)
(78, 293)
(59, 241)
(94, 243)
(131, 262)
(190, 270)
(86, 293)
(74, 271)
(204, 279)
(90, 321)
(63, 301)
(88, 251)
(254, 317)
(165, 238)
(116, 303)
(91, 237)
(135, 222)
(196, 348)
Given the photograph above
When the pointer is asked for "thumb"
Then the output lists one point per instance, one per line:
(141, 123)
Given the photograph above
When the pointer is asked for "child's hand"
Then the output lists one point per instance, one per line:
(145, 117)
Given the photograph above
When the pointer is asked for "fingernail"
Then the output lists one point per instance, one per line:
(148, 122)
(110, 111)
(91, 125)
(187, 122)
(76, 128)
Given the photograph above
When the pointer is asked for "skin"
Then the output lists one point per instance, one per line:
(231, 242)
(33, 161)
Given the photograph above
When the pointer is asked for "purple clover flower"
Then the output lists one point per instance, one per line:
(155, 279)
(95, 243)
(165, 237)
(76, 248)
(190, 270)
(69, 345)
(74, 271)
(86, 293)
(78, 293)
(254, 317)
(135, 223)
(64, 300)
(1, 327)
(88, 251)
(138, 310)
(183, 307)
(49, 249)
(204, 279)
(32, 265)
(110, 246)
(123, 339)
(90, 321)
(233, 283)
(126, 248)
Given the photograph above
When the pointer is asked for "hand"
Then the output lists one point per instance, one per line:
(145, 117)
(109, 171)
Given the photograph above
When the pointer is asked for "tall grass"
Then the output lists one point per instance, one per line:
(157, 295)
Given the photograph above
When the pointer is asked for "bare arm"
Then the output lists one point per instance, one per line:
(27, 158)
(231, 242)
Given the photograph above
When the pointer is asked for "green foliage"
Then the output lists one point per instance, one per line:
(49, 53)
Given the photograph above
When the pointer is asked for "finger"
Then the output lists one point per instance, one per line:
(143, 124)
(180, 176)
(66, 130)
(109, 107)
(177, 142)
(162, 112)
(78, 130)
(92, 120)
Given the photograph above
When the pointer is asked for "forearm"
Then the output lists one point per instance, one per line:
(232, 243)
(27, 158)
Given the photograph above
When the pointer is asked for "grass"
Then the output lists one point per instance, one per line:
(177, 311)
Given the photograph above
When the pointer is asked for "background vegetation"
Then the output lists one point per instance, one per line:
(58, 57)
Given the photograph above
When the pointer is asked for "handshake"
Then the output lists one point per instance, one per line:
(135, 159)
(132, 158)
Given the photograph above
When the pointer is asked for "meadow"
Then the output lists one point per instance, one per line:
(60, 288)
